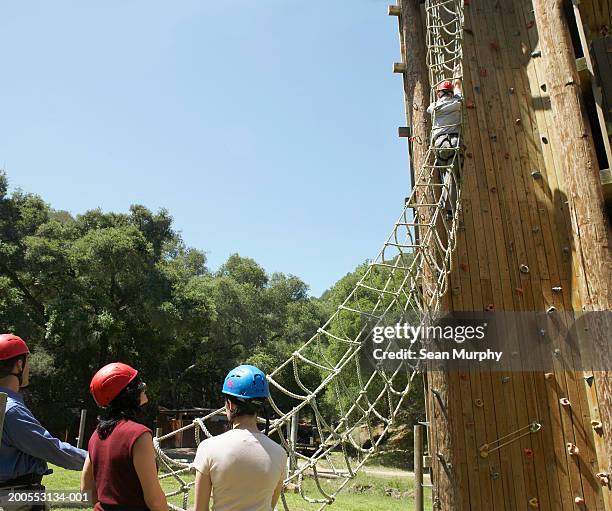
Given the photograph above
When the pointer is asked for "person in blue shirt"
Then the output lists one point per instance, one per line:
(26, 445)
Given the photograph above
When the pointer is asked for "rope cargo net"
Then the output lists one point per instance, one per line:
(354, 403)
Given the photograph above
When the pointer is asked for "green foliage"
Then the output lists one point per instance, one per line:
(100, 287)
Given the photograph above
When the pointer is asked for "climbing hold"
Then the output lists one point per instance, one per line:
(478, 402)
(564, 402)
(464, 266)
(484, 450)
(542, 332)
(534, 503)
(557, 352)
(493, 137)
(517, 121)
(549, 376)
(507, 156)
(490, 308)
(482, 71)
(511, 90)
(469, 424)
(519, 290)
(494, 475)
(524, 268)
(543, 87)
(477, 88)
(535, 228)
(530, 24)
(579, 501)
(515, 354)
(556, 289)
(516, 33)
(536, 53)
(456, 290)
(468, 155)
(494, 45)
(469, 103)
(544, 140)
(505, 379)
(572, 449)
(604, 478)
(528, 452)
(589, 379)
(536, 174)
(597, 425)
(466, 2)
(464, 376)
(551, 309)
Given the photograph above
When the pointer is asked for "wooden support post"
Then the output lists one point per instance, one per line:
(395, 10)
(591, 233)
(3, 398)
(419, 501)
(81, 436)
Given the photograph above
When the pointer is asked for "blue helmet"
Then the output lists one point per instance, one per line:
(246, 382)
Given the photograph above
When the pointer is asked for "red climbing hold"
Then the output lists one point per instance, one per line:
(528, 452)
(564, 401)
(482, 72)
(549, 376)
(464, 266)
(494, 45)
(519, 290)
(579, 501)
(464, 376)
(490, 307)
(466, 2)
(530, 24)
(469, 103)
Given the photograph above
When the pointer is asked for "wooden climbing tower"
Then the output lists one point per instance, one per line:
(534, 232)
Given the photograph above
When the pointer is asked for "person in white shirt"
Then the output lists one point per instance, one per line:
(446, 124)
(241, 469)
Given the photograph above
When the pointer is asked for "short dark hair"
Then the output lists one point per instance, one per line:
(244, 407)
(7, 366)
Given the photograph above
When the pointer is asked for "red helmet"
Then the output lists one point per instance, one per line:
(446, 86)
(12, 346)
(109, 381)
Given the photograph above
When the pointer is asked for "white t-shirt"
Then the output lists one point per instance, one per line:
(446, 114)
(244, 468)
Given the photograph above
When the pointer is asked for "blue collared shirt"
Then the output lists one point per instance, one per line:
(27, 447)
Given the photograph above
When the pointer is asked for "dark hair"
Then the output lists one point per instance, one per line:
(126, 406)
(248, 407)
(7, 366)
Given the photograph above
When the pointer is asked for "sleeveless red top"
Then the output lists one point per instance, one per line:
(117, 482)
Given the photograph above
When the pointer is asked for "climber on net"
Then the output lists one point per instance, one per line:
(243, 468)
(446, 114)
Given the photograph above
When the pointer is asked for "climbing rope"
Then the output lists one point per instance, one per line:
(354, 404)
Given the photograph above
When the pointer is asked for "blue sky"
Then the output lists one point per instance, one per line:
(265, 127)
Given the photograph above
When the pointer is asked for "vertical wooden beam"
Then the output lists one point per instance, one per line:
(419, 502)
(81, 429)
(590, 230)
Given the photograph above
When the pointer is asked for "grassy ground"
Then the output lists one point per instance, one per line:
(365, 492)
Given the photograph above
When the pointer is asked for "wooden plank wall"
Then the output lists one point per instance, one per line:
(511, 219)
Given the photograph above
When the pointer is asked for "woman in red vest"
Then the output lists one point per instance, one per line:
(120, 470)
